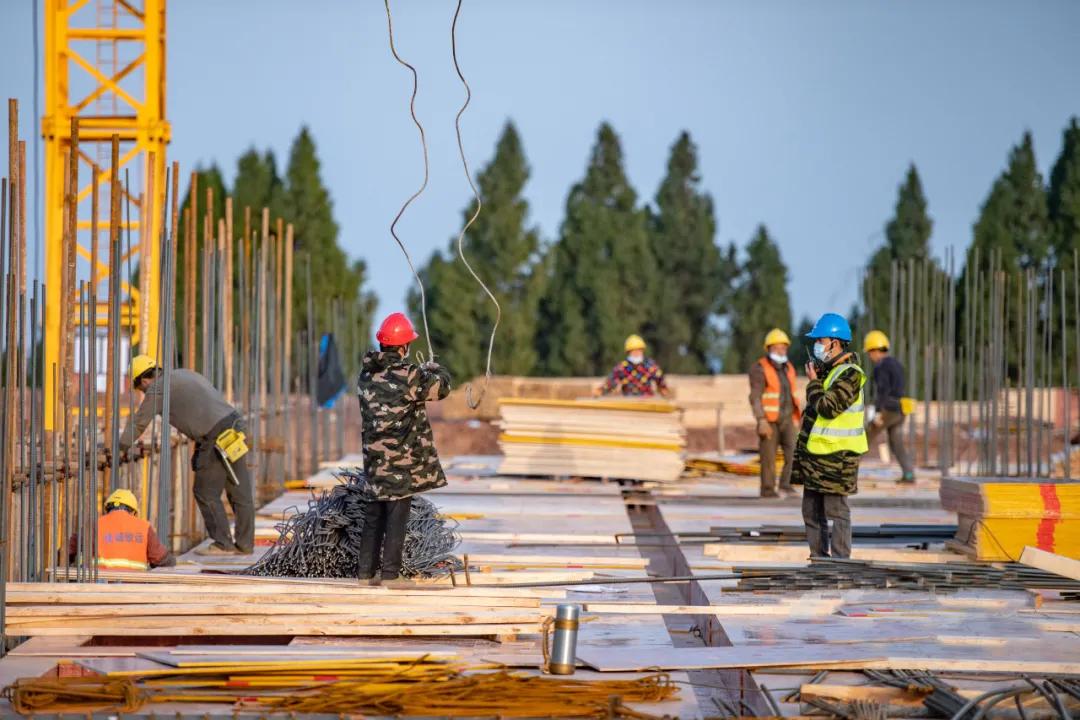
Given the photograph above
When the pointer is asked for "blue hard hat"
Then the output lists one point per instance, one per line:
(831, 325)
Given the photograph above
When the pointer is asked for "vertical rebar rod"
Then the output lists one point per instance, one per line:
(1066, 389)
(313, 363)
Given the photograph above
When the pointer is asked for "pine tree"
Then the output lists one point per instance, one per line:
(1063, 198)
(907, 237)
(307, 205)
(696, 279)
(504, 253)
(257, 185)
(603, 274)
(760, 302)
(1011, 234)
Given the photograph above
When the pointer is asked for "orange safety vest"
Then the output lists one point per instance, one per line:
(770, 398)
(122, 541)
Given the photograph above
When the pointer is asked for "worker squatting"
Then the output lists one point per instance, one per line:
(821, 439)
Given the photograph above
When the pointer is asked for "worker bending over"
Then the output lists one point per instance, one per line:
(400, 459)
(888, 413)
(772, 400)
(636, 375)
(125, 541)
(831, 439)
(200, 412)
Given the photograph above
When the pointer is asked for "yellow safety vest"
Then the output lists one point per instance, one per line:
(846, 431)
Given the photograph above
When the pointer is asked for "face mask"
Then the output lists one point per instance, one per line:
(777, 358)
(820, 353)
(636, 359)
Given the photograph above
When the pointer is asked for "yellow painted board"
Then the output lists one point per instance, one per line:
(997, 538)
(652, 406)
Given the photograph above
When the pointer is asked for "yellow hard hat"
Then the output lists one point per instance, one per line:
(125, 498)
(634, 342)
(875, 340)
(775, 337)
(140, 364)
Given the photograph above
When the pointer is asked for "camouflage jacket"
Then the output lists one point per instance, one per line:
(399, 450)
(836, 473)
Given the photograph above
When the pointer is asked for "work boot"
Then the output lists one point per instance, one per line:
(769, 493)
(907, 479)
(397, 583)
(245, 551)
(216, 549)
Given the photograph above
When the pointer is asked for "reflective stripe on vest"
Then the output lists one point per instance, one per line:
(846, 431)
(123, 540)
(770, 398)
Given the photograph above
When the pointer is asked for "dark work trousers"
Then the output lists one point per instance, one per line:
(383, 539)
(894, 424)
(784, 434)
(817, 510)
(211, 477)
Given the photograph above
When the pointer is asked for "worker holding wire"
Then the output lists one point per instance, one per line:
(198, 410)
(400, 459)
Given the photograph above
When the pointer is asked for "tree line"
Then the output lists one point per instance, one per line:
(620, 265)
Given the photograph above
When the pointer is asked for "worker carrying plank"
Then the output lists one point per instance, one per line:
(125, 541)
(199, 411)
(772, 400)
(636, 375)
(831, 439)
(400, 459)
(890, 405)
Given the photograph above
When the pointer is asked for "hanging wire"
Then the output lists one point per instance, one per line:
(423, 145)
(469, 400)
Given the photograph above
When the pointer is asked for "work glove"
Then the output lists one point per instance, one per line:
(764, 428)
(430, 366)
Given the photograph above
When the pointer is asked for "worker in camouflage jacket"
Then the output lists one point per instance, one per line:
(831, 439)
(400, 459)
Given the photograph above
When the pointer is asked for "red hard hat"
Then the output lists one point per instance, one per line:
(396, 329)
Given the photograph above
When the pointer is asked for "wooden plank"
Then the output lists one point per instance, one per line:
(20, 613)
(785, 610)
(1051, 562)
(357, 601)
(175, 585)
(630, 659)
(215, 627)
(558, 561)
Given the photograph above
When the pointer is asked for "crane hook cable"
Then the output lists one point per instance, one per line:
(423, 145)
(473, 404)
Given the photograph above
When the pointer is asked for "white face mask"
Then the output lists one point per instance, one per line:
(778, 358)
(636, 358)
(820, 352)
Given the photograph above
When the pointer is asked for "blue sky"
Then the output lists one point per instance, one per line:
(806, 114)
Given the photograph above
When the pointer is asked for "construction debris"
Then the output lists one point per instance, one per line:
(324, 541)
(618, 439)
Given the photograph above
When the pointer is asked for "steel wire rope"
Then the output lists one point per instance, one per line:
(419, 191)
(469, 400)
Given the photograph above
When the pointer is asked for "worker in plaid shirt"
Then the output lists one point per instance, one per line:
(636, 375)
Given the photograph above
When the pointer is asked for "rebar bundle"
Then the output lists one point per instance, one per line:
(324, 541)
(932, 577)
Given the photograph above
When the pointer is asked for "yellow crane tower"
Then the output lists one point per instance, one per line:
(104, 67)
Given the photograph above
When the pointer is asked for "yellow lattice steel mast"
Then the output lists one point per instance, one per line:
(105, 65)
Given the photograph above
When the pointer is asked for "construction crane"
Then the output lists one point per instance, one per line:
(104, 76)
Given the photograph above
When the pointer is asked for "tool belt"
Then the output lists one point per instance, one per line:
(229, 441)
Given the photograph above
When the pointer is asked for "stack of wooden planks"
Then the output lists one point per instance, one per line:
(625, 439)
(257, 607)
(998, 517)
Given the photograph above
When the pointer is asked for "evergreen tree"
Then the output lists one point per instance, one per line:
(760, 302)
(907, 237)
(696, 278)
(603, 273)
(1014, 221)
(257, 185)
(1063, 198)
(307, 205)
(504, 253)
(1011, 234)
